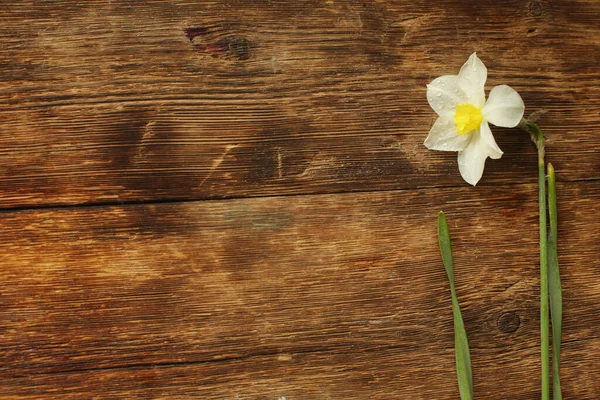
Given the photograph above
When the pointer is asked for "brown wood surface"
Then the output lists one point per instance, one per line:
(230, 199)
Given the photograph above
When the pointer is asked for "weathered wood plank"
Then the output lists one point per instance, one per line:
(116, 101)
(350, 286)
(374, 374)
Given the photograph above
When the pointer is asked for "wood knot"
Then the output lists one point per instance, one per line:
(509, 322)
(229, 46)
(237, 47)
(536, 9)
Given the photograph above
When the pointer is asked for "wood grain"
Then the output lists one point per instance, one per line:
(230, 199)
(116, 101)
(312, 297)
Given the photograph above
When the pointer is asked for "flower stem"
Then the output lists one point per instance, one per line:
(538, 138)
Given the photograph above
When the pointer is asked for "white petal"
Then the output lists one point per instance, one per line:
(472, 160)
(444, 136)
(504, 107)
(471, 80)
(443, 95)
(485, 133)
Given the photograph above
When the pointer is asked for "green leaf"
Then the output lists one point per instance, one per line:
(554, 285)
(461, 344)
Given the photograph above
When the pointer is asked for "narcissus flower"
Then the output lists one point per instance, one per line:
(464, 114)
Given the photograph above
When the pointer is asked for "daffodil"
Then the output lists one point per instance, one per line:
(465, 115)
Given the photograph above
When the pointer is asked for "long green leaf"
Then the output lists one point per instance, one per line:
(554, 285)
(461, 344)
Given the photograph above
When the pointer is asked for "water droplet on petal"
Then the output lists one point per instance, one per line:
(439, 94)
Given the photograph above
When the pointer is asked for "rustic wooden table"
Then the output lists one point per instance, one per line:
(231, 199)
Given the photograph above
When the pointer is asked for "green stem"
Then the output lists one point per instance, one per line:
(544, 315)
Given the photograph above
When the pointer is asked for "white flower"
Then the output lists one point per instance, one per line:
(462, 125)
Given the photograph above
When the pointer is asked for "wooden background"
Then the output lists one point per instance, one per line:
(230, 199)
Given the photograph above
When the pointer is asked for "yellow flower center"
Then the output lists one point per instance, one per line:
(467, 118)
